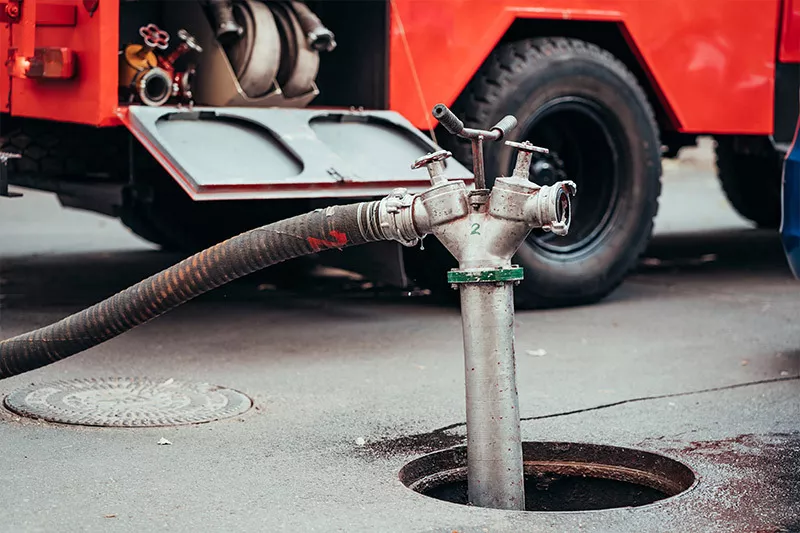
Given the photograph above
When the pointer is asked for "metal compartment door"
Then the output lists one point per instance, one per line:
(245, 153)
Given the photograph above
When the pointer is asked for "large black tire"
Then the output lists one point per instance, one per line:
(584, 104)
(64, 151)
(751, 180)
(158, 210)
(54, 151)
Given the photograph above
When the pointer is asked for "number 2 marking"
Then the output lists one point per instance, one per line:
(475, 228)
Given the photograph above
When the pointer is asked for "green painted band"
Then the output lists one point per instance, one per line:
(494, 275)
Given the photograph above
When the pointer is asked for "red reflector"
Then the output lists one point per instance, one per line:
(50, 63)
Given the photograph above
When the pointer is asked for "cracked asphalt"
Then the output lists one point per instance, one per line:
(696, 356)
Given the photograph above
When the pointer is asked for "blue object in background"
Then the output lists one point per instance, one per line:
(790, 223)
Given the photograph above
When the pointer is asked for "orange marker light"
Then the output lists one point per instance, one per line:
(49, 63)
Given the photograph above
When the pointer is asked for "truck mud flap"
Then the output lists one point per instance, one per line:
(245, 153)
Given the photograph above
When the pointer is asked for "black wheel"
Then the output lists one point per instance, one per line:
(751, 179)
(584, 105)
(53, 150)
(158, 210)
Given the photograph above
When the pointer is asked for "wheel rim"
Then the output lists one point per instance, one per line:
(587, 146)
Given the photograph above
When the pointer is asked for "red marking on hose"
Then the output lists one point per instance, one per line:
(339, 241)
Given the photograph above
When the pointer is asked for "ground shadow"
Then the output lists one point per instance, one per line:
(731, 251)
(79, 280)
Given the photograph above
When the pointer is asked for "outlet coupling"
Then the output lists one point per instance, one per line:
(551, 207)
(153, 86)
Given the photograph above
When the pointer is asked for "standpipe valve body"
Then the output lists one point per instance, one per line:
(147, 73)
(483, 230)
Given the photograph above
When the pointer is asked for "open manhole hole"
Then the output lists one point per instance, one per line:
(127, 402)
(562, 476)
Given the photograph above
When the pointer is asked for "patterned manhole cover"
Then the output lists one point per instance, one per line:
(127, 402)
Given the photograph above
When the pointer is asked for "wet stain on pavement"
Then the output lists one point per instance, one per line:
(412, 444)
(746, 465)
(746, 448)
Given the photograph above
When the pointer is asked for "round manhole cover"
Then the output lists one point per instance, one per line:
(127, 402)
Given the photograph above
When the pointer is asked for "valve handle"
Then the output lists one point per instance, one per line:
(525, 151)
(435, 165)
(527, 147)
(427, 159)
(154, 37)
(190, 41)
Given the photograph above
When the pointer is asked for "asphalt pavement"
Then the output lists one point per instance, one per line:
(696, 356)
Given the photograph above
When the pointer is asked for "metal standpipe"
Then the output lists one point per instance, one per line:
(483, 229)
(494, 444)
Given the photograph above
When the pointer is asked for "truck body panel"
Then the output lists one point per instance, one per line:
(91, 97)
(789, 50)
(234, 153)
(714, 61)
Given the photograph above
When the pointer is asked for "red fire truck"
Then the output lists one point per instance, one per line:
(193, 120)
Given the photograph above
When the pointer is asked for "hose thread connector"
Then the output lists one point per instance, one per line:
(396, 220)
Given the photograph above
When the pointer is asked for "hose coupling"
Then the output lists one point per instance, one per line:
(319, 37)
(226, 27)
(551, 207)
(396, 218)
(153, 86)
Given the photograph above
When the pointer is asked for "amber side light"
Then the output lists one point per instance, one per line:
(46, 63)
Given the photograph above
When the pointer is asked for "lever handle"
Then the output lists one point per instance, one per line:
(447, 119)
(505, 125)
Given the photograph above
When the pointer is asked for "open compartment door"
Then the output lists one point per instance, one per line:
(245, 153)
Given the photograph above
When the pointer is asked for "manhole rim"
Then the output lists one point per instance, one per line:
(248, 403)
(696, 479)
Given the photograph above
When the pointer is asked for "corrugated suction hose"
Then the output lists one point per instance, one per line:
(333, 227)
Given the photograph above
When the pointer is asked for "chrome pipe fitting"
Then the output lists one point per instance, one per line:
(153, 86)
